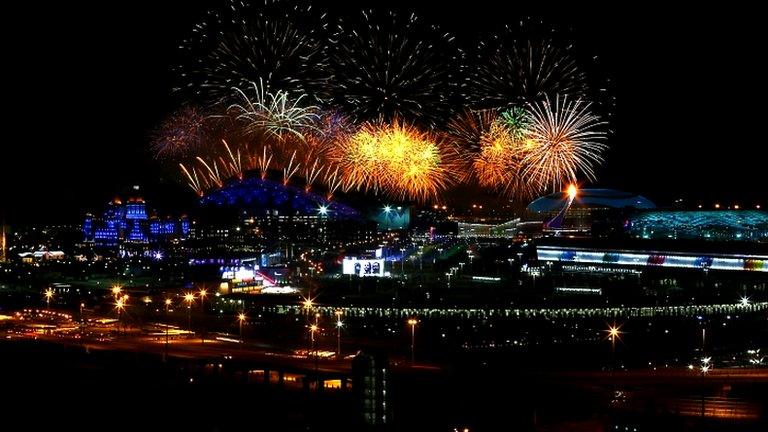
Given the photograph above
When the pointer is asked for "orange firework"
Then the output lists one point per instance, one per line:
(465, 132)
(499, 162)
(397, 159)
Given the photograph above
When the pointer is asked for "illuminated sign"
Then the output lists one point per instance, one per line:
(363, 267)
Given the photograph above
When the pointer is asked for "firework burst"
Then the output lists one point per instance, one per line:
(275, 114)
(567, 139)
(387, 67)
(181, 134)
(279, 42)
(395, 159)
(517, 66)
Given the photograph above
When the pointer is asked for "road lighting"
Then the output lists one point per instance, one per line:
(48, 297)
(241, 318)
(203, 293)
(339, 324)
(189, 298)
(167, 308)
(706, 365)
(120, 305)
(744, 301)
(82, 318)
(613, 333)
(412, 322)
(116, 290)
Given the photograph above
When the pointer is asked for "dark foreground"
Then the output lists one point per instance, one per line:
(64, 387)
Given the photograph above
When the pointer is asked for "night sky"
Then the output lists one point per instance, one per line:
(85, 85)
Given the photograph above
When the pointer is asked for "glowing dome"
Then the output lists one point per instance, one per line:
(600, 198)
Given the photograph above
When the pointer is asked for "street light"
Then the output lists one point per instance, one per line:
(412, 322)
(339, 324)
(706, 365)
(48, 297)
(120, 305)
(613, 334)
(167, 308)
(189, 298)
(744, 301)
(116, 290)
(82, 318)
(203, 293)
(241, 318)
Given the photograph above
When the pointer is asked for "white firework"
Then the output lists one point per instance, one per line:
(275, 113)
(565, 139)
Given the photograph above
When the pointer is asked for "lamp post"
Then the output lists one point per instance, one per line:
(167, 308)
(203, 293)
(412, 322)
(189, 298)
(705, 367)
(48, 297)
(339, 324)
(120, 305)
(307, 304)
(241, 318)
(613, 333)
(82, 318)
(312, 329)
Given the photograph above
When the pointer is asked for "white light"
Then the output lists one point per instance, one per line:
(323, 210)
(744, 301)
(387, 209)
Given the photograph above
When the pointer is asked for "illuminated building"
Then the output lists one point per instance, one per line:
(647, 254)
(370, 382)
(127, 229)
(486, 230)
(257, 215)
(588, 210)
(725, 225)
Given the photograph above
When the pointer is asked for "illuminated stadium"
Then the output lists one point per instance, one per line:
(643, 254)
(725, 225)
(264, 215)
(590, 198)
(256, 193)
(585, 210)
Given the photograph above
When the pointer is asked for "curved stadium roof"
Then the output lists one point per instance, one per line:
(605, 198)
(257, 193)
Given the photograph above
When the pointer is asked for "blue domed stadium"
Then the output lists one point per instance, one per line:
(258, 193)
(591, 198)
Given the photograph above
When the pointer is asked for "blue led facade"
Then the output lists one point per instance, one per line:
(128, 223)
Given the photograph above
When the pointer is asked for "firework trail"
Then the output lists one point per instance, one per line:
(279, 42)
(520, 65)
(387, 66)
(567, 140)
